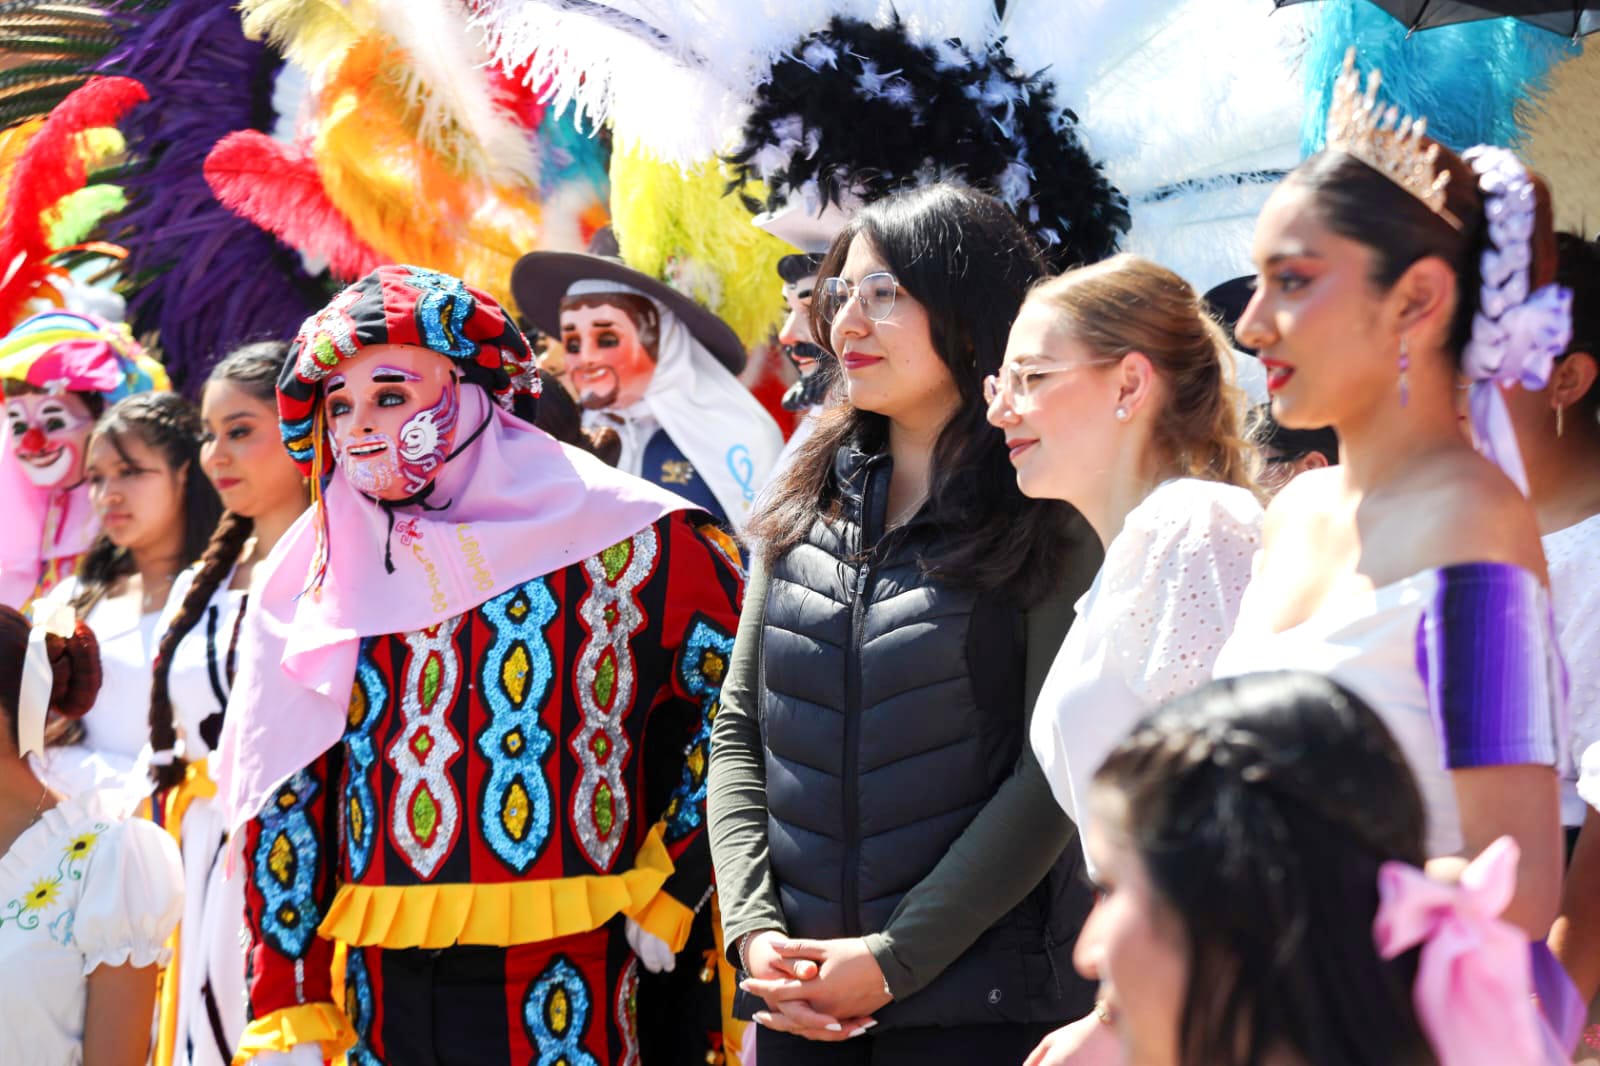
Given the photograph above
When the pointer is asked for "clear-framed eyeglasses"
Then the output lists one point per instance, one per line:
(1017, 384)
(875, 292)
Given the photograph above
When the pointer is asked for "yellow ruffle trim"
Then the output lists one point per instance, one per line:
(285, 1029)
(666, 918)
(497, 915)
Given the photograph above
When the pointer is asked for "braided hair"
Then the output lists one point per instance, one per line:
(1262, 808)
(167, 423)
(254, 368)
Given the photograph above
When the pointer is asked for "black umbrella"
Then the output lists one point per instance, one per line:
(1570, 18)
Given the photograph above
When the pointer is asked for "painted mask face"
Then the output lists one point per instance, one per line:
(48, 434)
(607, 363)
(392, 413)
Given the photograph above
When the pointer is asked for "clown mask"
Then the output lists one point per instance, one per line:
(48, 434)
(607, 343)
(392, 413)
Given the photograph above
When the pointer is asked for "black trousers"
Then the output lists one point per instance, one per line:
(960, 1045)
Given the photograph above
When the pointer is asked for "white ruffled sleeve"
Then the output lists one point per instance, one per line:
(132, 897)
(1173, 583)
(1589, 775)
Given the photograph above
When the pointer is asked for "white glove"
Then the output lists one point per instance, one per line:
(656, 954)
(299, 1055)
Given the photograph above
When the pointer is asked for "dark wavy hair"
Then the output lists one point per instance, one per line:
(254, 368)
(1262, 807)
(167, 423)
(969, 263)
(1578, 268)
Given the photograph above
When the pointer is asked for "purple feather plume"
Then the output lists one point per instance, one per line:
(200, 277)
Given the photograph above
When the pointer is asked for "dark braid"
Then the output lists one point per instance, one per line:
(167, 423)
(227, 543)
(254, 368)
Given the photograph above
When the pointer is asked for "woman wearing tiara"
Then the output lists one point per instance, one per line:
(1412, 571)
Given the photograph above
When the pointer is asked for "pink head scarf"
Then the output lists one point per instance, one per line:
(513, 505)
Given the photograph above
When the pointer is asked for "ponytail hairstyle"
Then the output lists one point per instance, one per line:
(75, 676)
(1128, 304)
(1262, 808)
(253, 368)
(167, 423)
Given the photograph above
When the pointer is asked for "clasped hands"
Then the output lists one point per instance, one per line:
(818, 989)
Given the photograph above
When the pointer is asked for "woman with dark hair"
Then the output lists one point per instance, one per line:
(88, 896)
(885, 845)
(1558, 432)
(157, 512)
(1412, 571)
(1256, 846)
(242, 455)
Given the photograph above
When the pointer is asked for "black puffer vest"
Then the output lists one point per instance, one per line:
(892, 710)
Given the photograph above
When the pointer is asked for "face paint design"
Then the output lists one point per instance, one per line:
(392, 413)
(48, 434)
(608, 364)
(809, 359)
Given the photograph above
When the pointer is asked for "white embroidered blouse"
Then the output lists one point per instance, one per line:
(1148, 629)
(79, 889)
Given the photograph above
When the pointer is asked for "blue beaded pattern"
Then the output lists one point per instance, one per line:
(515, 680)
(442, 312)
(284, 867)
(358, 1006)
(360, 815)
(702, 667)
(556, 1012)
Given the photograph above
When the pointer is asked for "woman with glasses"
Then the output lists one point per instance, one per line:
(1117, 396)
(898, 884)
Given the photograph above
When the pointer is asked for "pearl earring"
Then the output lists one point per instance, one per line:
(1122, 413)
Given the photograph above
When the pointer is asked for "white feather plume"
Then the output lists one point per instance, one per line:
(1176, 98)
(445, 81)
(673, 77)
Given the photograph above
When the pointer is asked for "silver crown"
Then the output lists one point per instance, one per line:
(1394, 145)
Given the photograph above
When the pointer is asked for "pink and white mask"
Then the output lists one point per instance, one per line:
(392, 412)
(48, 434)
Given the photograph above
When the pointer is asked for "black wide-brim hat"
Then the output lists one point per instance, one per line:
(540, 280)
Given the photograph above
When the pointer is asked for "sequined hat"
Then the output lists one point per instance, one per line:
(401, 305)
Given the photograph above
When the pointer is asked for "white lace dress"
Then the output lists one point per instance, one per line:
(1149, 627)
(81, 888)
(1573, 557)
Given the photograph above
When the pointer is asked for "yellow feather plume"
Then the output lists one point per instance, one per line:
(399, 196)
(311, 33)
(678, 226)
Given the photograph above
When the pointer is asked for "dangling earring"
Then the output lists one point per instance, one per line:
(1405, 364)
(1560, 410)
(1121, 413)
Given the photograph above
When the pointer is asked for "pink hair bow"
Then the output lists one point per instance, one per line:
(1474, 988)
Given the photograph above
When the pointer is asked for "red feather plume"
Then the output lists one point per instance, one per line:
(49, 168)
(277, 187)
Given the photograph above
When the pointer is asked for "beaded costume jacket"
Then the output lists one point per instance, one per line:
(524, 771)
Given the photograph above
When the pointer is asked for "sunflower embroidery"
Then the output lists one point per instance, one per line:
(42, 894)
(79, 847)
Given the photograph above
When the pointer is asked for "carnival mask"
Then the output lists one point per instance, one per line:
(392, 413)
(609, 363)
(48, 434)
(810, 360)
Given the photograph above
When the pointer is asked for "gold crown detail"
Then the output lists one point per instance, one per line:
(1394, 145)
